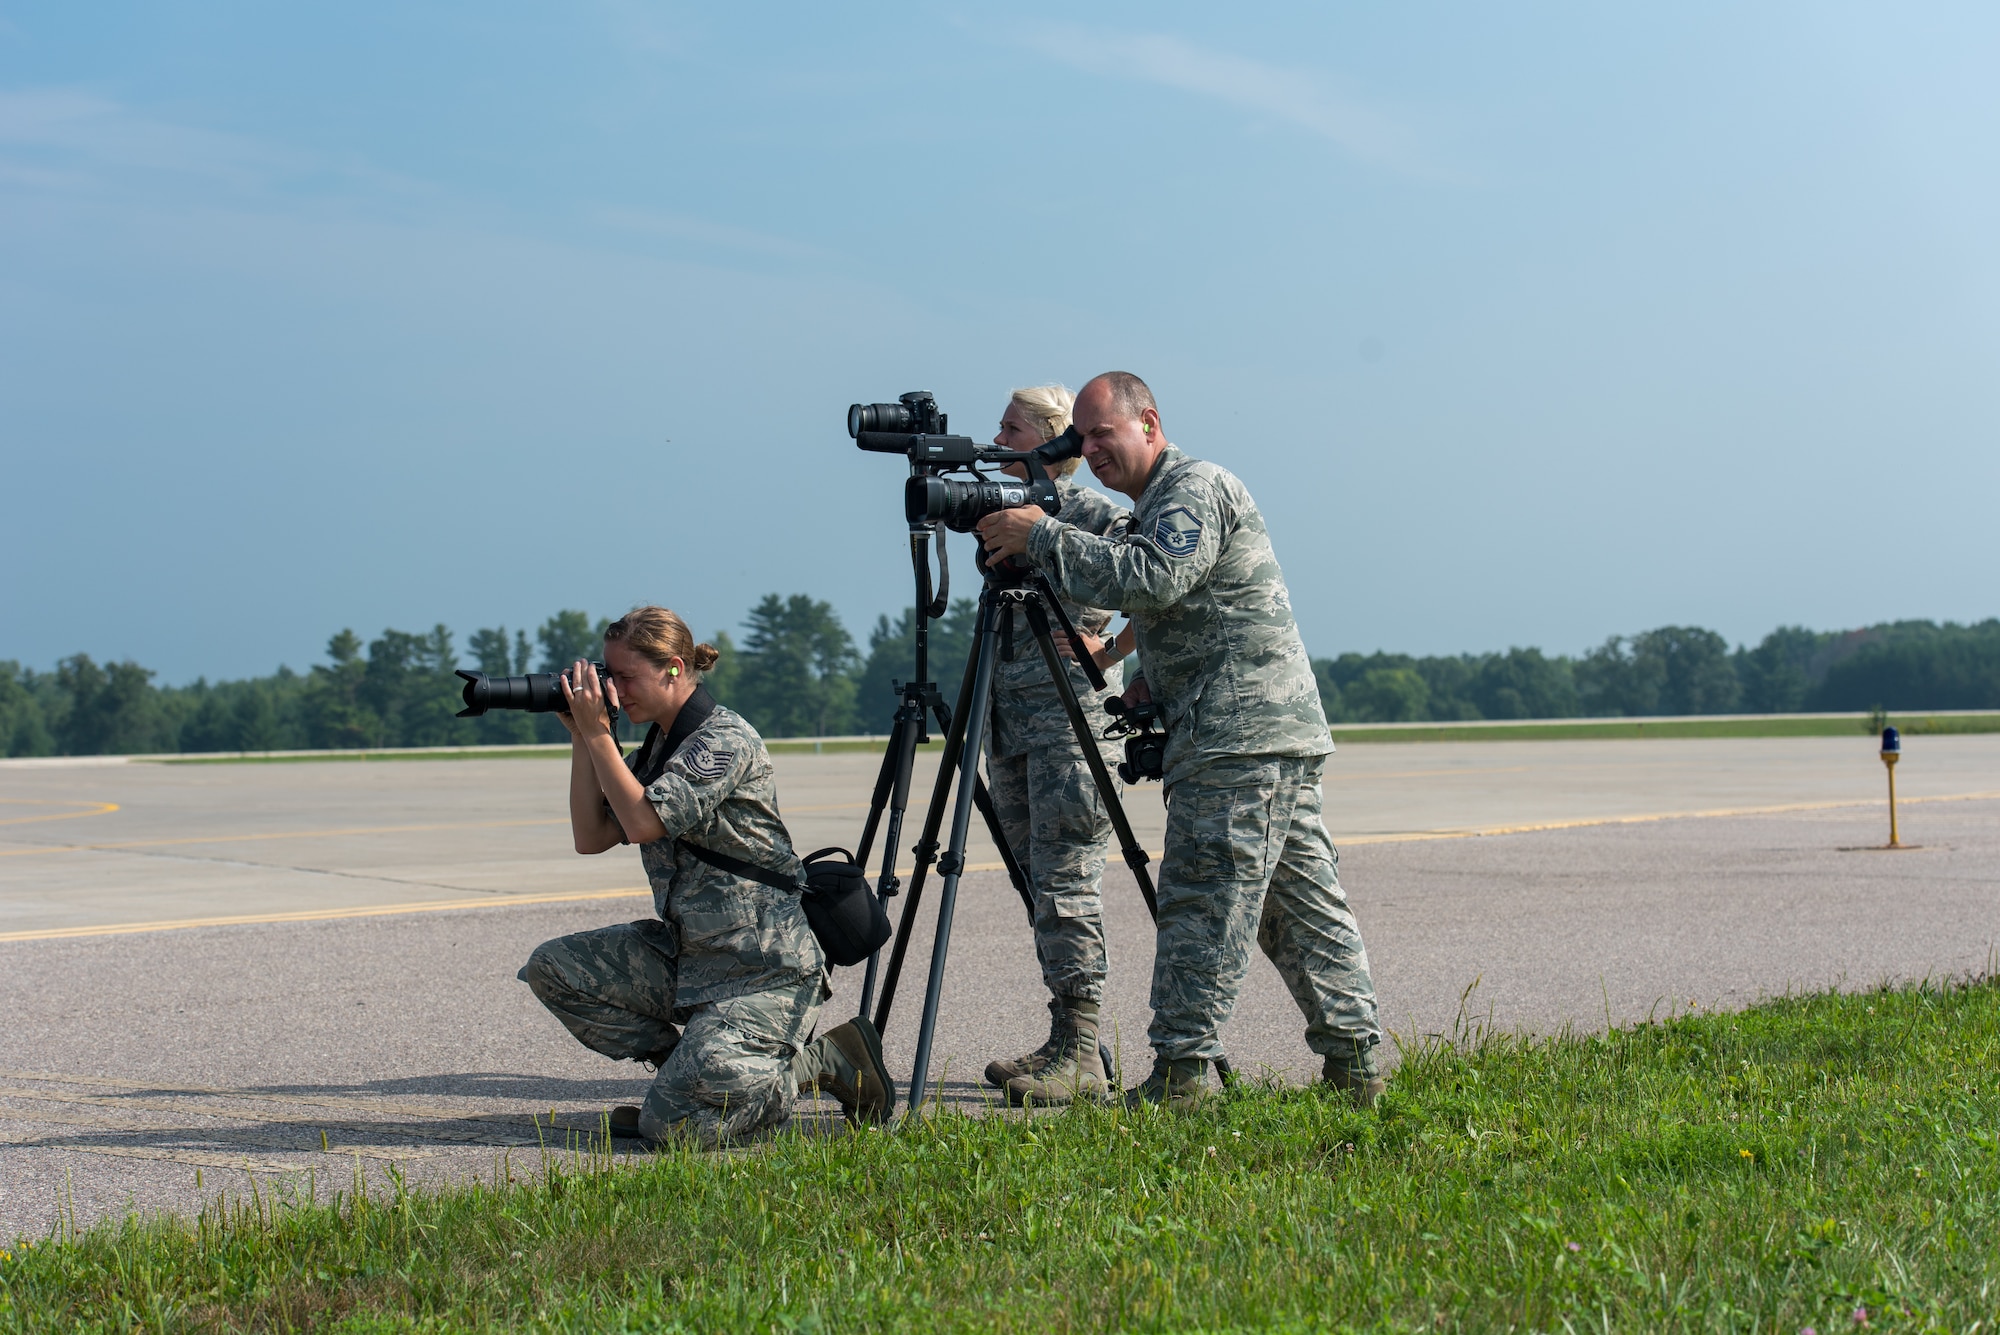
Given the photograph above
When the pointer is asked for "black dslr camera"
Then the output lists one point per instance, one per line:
(1145, 744)
(536, 693)
(913, 427)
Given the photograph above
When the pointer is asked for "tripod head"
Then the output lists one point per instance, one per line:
(1029, 585)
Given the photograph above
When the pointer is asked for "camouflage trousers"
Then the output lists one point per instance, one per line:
(1248, 857)
(1057, 829)
(726, 1073)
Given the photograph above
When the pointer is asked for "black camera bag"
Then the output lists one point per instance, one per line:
(840, 905)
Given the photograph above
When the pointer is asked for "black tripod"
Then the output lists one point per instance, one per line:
(921, 703)
(965, 736)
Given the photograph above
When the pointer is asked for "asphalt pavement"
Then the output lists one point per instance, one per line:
(346, 1001)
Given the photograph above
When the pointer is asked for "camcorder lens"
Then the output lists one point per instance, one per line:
(959, 505)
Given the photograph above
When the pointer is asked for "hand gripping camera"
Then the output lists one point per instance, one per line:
(913, 427)
(1145, 744)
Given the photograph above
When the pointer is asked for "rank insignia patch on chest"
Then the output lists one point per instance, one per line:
(704, 763)
(1177, 531)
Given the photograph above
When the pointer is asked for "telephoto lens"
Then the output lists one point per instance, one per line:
(536, 693)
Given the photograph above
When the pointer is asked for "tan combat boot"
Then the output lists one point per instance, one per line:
(1001, 1070)
(1352, 1069)
(1074, 1069)
(1178, 1086)
(847, 1063)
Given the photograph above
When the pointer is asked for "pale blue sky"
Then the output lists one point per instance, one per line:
(1525, 324)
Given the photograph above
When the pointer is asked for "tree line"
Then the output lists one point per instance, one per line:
(799, 673)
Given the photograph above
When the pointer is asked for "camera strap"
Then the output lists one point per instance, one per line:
(942, 602)
(749, 871)
(656, 751)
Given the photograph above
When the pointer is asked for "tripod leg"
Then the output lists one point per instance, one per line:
(982, 797)
(954, 741)
(895, 778)
(885, 778)
(952, 864)
(1128, 843)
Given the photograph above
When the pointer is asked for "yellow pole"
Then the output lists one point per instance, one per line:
(1890, 761)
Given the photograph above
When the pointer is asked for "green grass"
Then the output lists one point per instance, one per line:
(1829, 725)
(1782, 1168)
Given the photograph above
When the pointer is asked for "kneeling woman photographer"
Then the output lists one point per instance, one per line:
(730, 960)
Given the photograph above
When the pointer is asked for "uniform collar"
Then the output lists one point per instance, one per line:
(1170, 456)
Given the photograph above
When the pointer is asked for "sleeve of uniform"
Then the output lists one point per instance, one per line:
(1094, 513)
(1143, 572)
(699, 778)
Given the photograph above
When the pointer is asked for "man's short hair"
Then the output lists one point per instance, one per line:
(1129, 393)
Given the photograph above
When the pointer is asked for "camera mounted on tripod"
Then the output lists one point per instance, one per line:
(913, 427)
(1145, 744)
(933, 502)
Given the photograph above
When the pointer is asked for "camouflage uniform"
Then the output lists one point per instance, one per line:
(1246, 849)
(732, 960)
(1049, 808)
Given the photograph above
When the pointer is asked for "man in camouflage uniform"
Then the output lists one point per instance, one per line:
(1055, 823)
(731, 961)
(1247, 852)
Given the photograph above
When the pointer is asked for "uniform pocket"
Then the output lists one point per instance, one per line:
(1075, 906)
(1224, 833)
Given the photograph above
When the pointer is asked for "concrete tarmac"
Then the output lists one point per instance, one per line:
(352, 976)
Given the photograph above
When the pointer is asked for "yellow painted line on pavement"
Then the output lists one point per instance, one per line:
(321, 915)
(96, 809)
(276, 834)
(500, 901)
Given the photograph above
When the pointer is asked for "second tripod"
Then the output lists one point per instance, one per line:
(964, 740)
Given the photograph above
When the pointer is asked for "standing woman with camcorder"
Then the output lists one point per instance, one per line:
(730, 959)
(1049, 808)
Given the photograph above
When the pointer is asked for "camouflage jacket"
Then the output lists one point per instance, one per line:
(714, 787)
(1217, 642)
(1027, 713)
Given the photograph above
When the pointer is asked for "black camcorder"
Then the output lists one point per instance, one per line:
(1145, 745)
(536, 693)
(914, 428)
